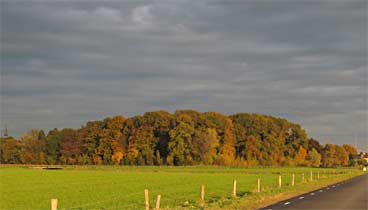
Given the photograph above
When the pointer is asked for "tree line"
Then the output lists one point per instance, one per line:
(186, 137)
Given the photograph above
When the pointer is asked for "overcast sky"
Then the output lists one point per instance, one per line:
(67, 62)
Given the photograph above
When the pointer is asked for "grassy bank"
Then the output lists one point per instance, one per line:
(109, 187)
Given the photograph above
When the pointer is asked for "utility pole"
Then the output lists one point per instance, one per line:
(5, 132)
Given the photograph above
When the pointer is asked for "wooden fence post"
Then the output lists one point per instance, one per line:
(293, 180)
(259, 185)
(302, 177)
(146, 198)
(280, 181)
(202, 193)
(234, 188)
(54, 203)
(158, 202)
(311, 176)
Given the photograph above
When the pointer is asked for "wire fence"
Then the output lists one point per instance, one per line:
(276, 183)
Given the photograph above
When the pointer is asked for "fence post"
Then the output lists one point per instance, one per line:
(318, 175)
(311, 176)
(302, 177)
(234, 188)
(158, 202)
(280, 181)
(293, 180)
(202, 193)
(54, 203)
(146, 198)
(259, 185)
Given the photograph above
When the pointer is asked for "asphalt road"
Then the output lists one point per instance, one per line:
(350, 194)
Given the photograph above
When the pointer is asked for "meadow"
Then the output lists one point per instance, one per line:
(122, 187)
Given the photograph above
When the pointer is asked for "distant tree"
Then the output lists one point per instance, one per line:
(10, 150)
(342, 156)
(180, 144)
(41, 136)
(350, 150)
(146, 142)
(300, 157)
(90, 138)
(186, 137)
(161, 122)
(111, 140)
(142, 145)
(252, 145)
(52, 149)
(240, 140)
(32, 151)
(314, 144)
(117, 157)
(70, 146)
(205, 146)
(329, 158)
(130, 127)
(215, 120)
(133, 150)
(227, 153)
(314, 158)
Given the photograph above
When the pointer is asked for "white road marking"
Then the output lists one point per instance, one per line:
(328, 188)
(301, 197)
(321, 191)
(287, 203)
(333, 186)
(312, 194)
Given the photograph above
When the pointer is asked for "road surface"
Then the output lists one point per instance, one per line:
(351, 194)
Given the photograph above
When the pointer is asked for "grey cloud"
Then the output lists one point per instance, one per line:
(64, 63)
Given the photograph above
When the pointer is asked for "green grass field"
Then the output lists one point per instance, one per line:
(109, 187)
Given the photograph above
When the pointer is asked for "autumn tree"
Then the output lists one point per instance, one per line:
(227, 151)
(314, 144)
(186, 137)
(329, 158)
(142, 144)
(300, 156)
(70, 146)
(342, 156)
(130, 127)
(240, 138)
(133, 150)
(205, 145)
(180, 143)
(111, 141)
(161, 122)
(90, 138)
(314, 158)
(350, 150)
(52, 149)
(252, 154)
(32, 151)
(10, 150)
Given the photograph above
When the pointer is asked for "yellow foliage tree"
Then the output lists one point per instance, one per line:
(117, 157)
(227, 155)
(300, 156)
